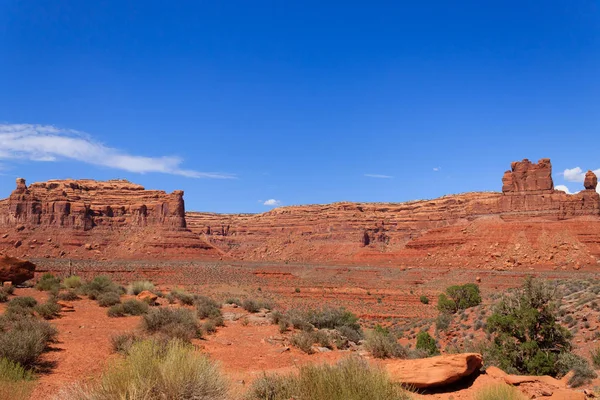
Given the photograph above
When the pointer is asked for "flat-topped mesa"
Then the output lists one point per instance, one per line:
(85, 204)
(591, 181)
(527, 177)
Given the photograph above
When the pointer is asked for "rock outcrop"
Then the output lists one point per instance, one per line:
(15, 270)
(591, 181)
(94, 219)
(525, 176)
(527, 223)
(434, 371)
(85, 204)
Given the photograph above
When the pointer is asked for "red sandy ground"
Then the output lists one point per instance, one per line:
(245, 352)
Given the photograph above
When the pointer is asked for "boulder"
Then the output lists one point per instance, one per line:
(15, 270)
(147, 296)
(434, 371)
(591, 181)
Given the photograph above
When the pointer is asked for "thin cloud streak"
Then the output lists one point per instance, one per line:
(378, 176)
(46, 143)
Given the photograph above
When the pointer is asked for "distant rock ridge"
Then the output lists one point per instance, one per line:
(528, 223)
(85, 204)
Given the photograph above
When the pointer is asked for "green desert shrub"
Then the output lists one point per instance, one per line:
(3, 297)
(595, 355)
(424, 299)
(183, 296)
(122, 343)
(109, 299)
(24, 340)
(207, 307)
(350, 379)
(251, 305)
(48, 310)
(459, 297)
(116, 311)
(583, 372)
(526, 337)
(16, 382)
(72, 282)
(48, 282)
(99, 285)
(69, 295)
(178, 323)
(443, 321)
(26, 302)
(427, 343)
(153, 370)
(383, 344)
(20, 307)
(304, 341)
(499, 391)
(135, 307)
(138, 287)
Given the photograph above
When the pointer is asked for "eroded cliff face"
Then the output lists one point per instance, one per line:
(86, 218)
(85, 204)
(529, 223)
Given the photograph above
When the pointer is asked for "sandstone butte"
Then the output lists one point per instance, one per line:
(528, 224)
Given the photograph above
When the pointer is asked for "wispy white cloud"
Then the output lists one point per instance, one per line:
(378, 176)
(46, 143)
(576, 174)
(437, 169)
(563, 188)
(272, 203)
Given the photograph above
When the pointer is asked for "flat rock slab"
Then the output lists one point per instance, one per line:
(434, 371)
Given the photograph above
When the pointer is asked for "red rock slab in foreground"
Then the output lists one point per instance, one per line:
(434, 371)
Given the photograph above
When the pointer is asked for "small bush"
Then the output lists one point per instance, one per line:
(116, 311)
(209, 326)
(154, 370)
(284, 325)
(48, 282)
(595, 354)
(48, 310)
(382, 344)
(24, 340)
(304, 341)
(424, 299)
(109, 299)
(135, 307)
(465, 296)
(72, 282)
(16, 383)
(500, 391)
(583, 372)
(139, 286)
(349, 379)
(69, 295)
(26, 302)
(207, 307)
(122, 343)
(251, 306)
(443, 321)
(99, 285)
(3, 297)
(184, 297)
(426, 343)
(179, 323)
(446, 305)
(235, 301)
(9, 290)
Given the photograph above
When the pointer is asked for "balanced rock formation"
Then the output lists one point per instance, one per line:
(591, 181)
(15, 270)
(434, 371)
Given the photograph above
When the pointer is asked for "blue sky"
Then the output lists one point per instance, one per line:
(301, 102)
